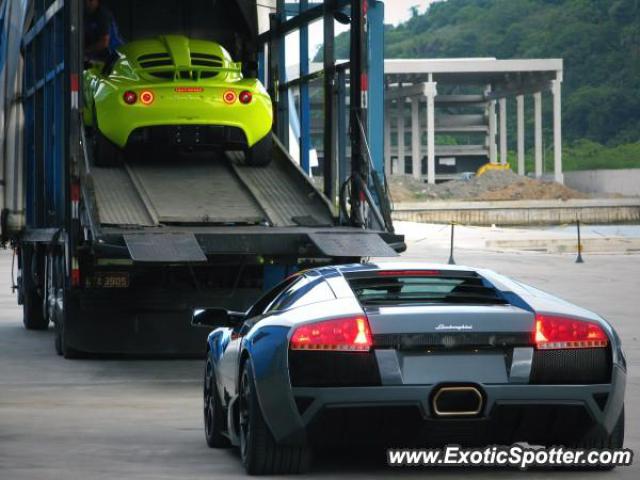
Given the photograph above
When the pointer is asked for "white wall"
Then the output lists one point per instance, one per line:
(623, 181)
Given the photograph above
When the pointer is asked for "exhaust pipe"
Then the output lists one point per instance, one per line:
(458, 401)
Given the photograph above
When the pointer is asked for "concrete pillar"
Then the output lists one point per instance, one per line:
(400, 129)
(520, 127)
(491, 140)
(431, 92)
(503, 131)
(387, 139)
(416, 154)
(537, 106)
(557, 128)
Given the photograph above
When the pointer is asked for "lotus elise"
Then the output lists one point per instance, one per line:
(407, 355)
(172, 91)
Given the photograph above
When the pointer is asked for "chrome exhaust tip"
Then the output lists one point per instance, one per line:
(457, 401)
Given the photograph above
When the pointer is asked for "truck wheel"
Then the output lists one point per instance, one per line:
(105, 153)
(57, 342)
(61, 345)
(33, 316)
(259, 155)
(57, 310)
(214, 415)
(260, 453)
(55, 301)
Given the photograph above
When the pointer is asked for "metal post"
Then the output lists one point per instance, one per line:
(305, 104)
(359, 82)
(375, 107)
(387, 139)
(537, 106)
(451, 260)
(282, 94)
(343, 171)
(416, 153)
(520, 127)
(579, 258)
(329, 85)
(503, 131)
(557, 128)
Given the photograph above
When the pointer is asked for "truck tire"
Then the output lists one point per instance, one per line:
(57, 311)
(259, 155)
(54, 290)
(105, 153)
(260, 453)
(33, 316)
(214, 415)
(61, 345)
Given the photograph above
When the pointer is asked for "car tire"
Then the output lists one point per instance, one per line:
(603, 440)
(260, 453)
(259, 155)
(105, 153)
(33, 317)
(214, 415)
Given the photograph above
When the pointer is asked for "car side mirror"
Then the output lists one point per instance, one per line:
(215, 317)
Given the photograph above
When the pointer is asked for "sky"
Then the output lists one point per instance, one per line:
(395, 12)
(398, 11)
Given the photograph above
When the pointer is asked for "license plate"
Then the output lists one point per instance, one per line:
(188, 135)
(108, 280)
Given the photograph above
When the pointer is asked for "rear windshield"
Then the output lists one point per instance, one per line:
(430, 287)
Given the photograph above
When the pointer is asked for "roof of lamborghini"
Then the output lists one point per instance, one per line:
(390, 266)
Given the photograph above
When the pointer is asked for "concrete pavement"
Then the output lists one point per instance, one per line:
(141, 419)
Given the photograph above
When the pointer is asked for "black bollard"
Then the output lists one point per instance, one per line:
(451, 260)
(579, 258)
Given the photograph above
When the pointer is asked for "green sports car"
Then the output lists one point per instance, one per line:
(173, 91)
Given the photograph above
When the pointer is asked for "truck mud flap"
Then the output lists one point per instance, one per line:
(164, 248)
(350, 244)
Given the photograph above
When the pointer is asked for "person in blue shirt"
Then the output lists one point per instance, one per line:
(101, 36)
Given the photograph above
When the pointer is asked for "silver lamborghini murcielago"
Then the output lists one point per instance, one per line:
(408, 355)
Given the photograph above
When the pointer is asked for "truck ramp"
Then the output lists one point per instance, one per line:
(208, 189)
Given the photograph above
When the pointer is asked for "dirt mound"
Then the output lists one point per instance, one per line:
(492, 185)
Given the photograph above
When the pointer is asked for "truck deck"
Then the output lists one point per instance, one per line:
(116, 258)
(207, 189)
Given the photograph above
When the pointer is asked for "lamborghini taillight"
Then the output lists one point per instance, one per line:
(338, 334)
(556, 332)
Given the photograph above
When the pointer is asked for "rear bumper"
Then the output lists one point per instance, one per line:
(191, 136)
(117, 120)
(402, 415)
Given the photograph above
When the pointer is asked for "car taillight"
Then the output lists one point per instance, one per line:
(130, 97)
(229, 97)
(553, 332)
(245, 97)
(147, 97)
(339, 334)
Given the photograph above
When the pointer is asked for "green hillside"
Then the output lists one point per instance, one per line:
(599, 41)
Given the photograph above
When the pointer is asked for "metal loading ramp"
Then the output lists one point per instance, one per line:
(208, 189)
